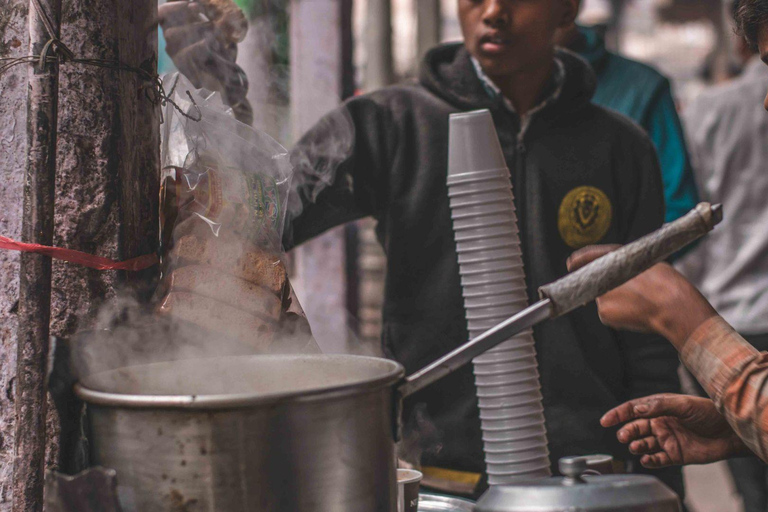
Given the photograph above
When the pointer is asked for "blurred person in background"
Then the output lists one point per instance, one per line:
(644, 95)
(728, 142)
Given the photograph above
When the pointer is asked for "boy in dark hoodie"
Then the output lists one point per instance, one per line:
(581, 175)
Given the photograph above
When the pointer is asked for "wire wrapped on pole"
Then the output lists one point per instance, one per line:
(35, 270)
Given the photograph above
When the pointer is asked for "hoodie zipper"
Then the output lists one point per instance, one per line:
(521, 200)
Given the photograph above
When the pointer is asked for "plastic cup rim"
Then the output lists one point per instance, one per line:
(515, 439)
(468, 176)
(516, 450)
(480, 202)
(509, 266)
(507, 406)
(480, 224)
(472, 259)
(520, 473)
(505, 372)
(503, 244)
(507, 395)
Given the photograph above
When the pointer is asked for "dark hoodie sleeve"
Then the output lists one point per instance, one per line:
(340, 169)
(650, 361)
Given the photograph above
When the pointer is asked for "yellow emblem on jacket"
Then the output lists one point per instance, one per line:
(585, 216)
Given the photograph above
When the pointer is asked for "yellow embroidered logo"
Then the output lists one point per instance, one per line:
(584, 217)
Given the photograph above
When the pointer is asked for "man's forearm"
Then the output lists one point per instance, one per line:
(734, 374)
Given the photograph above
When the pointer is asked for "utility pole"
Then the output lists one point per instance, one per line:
(105, 202)
(319, 40)
(429, 25)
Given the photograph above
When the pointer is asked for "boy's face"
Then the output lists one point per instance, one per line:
(510, 36)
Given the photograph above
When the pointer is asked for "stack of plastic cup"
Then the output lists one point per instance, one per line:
(493, 284)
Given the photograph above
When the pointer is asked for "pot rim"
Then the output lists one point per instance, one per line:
(240, 400)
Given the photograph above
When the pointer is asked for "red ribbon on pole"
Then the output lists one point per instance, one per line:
(81, 258)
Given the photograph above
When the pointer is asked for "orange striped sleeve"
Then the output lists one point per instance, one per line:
(735, 375)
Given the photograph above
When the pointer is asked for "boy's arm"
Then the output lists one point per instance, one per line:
(650, 363)
(340, 170)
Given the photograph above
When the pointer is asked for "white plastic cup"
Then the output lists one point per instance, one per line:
(510, 425)
(480, 222)
(506, 359)
(506, 253)
(493, 277)
(507, 350)
(529, 443)
(481, 210)
(511, 365)
(479, 186)
(494, 314)
(469, 177)
(503, 299)
(500, 196)
(505, 365)
(507, 379)
(483, 290)
(516, 458)
(510, 348)
(489, 244)
(506, 390)
(523, 470)
(511, 412)
(485, 267)
(499, 402)
(518, 435)
(499, 231)
(473, 144)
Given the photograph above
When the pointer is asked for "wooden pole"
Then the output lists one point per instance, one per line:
(35, 270)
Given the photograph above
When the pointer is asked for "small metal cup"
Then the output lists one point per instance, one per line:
(408, 481)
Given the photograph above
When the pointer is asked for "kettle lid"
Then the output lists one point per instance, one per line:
(583, 493)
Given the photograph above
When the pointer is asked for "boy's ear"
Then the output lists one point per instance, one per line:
(570, 13)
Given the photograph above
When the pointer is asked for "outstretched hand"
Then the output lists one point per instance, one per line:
(670, 430)
(659, 300)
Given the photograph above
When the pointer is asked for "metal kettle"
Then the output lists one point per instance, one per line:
(577, 492)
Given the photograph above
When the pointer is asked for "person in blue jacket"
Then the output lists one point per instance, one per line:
(644, 95)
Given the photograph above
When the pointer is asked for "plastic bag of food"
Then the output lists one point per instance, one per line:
(224, 187)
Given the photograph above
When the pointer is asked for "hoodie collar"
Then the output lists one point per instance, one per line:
(448, 72)
(553, 89)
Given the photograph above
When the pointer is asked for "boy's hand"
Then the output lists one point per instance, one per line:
(659, 300)
(201, 39)
(672, 430)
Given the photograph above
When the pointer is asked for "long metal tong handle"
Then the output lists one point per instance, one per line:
(577, 289)
(618, 267)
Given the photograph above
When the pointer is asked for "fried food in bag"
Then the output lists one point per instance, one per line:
(223, 195)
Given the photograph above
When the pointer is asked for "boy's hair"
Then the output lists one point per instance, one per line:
(750, 15)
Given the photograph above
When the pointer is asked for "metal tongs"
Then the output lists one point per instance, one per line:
(579, 288)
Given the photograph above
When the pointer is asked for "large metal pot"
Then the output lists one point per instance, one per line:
(258, 433)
